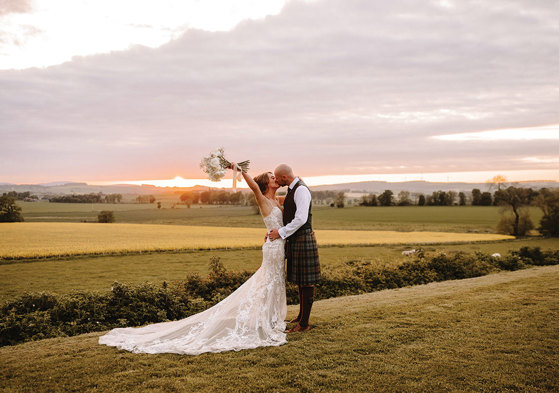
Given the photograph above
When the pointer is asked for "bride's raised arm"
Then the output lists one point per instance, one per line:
(263, 203)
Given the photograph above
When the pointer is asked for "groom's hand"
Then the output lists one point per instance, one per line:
(273, 234)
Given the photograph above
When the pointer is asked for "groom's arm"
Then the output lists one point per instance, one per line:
(303, 200)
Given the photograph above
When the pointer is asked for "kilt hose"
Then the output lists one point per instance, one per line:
(303, 267)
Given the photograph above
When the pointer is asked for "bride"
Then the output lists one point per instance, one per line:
(252, 316)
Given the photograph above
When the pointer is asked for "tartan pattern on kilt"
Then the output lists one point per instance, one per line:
(303, 267)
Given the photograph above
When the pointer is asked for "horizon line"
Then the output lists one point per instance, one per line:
(512, 176)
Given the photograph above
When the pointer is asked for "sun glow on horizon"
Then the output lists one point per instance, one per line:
(442, 177)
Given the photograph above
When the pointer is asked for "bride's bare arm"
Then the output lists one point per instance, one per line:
(263, 202)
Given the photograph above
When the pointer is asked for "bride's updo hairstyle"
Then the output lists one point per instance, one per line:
(262, 180)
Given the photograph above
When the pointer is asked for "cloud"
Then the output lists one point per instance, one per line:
(332, 87)
(518, 134)
(14, 6)
(542, 160)
(86, 27)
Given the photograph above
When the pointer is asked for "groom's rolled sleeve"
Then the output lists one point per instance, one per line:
(303, 200)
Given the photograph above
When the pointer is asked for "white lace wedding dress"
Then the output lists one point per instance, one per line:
(252, 316)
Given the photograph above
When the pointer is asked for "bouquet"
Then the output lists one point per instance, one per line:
(215, 166)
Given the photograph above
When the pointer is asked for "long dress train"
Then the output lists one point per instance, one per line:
(252, 316)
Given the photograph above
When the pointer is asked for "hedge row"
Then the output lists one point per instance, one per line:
(35, 316)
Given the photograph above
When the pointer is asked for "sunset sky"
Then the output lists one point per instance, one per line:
(343, 90)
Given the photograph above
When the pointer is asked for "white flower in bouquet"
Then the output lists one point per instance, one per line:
(215, 165)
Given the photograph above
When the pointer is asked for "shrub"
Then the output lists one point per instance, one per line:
(386, 198)
(515, 200)
(535, 256)
(548, 202)
(9, 211)
(506, 224)
(339, 200)
(549, 224)
(106, 216)
(35, 316)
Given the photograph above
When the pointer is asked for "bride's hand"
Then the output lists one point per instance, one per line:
(232, 166)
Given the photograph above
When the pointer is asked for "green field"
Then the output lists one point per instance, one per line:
(493, 333)
(409, 218)
(496, 333)
(65, 274)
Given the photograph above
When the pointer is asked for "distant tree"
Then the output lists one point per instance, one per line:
(322, 197)
(106, 216)
(386, 198)
(421, 200)
(251, 200)
(222, 197)
(190, 197)
(498, 181)
(145, 198)
(404, 198)
(450, 198)
(368, 200)
(486, 199)
(476, 197)
(515, 200)
(82, 198)
(511, 225)
(235, 198)
(113, 198)
(496, 198)
(20, 196)
(461, 199)
(339, 200)
(440, 198)
(429, 200)
(364, 200)
(9, 211)
(548, 202)
(205, 197)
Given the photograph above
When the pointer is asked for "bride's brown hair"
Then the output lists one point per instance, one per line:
(262, 180)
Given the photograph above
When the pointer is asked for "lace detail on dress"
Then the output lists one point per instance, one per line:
(252, 316)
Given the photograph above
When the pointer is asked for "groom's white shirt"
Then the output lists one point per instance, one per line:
(302, 199)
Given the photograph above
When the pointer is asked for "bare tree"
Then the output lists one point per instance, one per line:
(497, 181)
(515, 199)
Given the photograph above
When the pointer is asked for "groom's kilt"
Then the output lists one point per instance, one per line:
(301, 252)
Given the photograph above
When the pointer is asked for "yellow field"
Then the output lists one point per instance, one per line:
(37, 239)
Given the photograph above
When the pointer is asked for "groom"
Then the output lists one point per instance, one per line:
(303, 267)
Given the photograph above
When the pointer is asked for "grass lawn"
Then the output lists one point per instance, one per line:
(489, 334)
(396, 218)
(63, 275)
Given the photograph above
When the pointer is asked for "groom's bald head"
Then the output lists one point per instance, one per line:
(284, 175)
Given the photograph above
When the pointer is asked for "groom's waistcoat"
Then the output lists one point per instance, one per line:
(289, 209)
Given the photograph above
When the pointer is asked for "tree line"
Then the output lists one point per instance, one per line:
(222, 197)
(436, 198)
(87, 198)
(217, 197)
(20, 196)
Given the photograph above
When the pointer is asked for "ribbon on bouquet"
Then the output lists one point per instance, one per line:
(236, 176)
